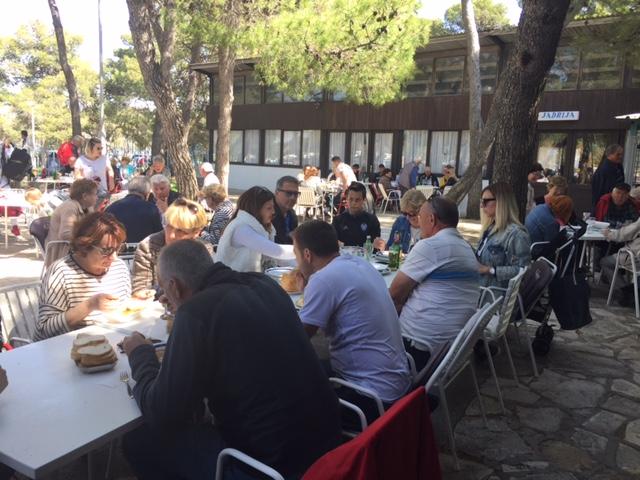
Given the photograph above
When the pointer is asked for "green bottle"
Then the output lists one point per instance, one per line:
(394, 253)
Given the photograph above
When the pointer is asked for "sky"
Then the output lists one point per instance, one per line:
(81, 17)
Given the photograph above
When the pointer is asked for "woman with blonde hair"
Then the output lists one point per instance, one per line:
(184, 220)
(222, 207)
(408, 224)
(504, 247)
(248, 242)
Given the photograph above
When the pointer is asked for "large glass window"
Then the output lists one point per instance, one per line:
(463, 160)
(252, 90)
(551, 150)
(449, 73)
(600, 69)
(359, 148)
(382, 149)
(589, 152)
(311, 147)
(564, 72)
(444, 150)
(235, 146)
(338, 96)
(337, 144)
(488, 71)
(291, 148)
(420, 85)
(238, 90)
(414, 145)
(272, 139)
(272, 95)
(251, 146)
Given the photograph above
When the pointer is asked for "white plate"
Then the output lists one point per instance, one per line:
(98, 368)
(598, 225)
(381, 257)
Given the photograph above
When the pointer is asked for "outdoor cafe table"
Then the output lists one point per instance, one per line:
(52, 413)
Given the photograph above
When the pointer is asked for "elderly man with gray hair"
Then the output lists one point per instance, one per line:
(162, 195)
(158, 167)
(139, 217)
(237, 343)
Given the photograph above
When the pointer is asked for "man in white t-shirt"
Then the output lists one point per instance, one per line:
(347, 298)
(437, 287)
(343, 173)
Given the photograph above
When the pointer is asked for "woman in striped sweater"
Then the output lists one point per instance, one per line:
(88, 281)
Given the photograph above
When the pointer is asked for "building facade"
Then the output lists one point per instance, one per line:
(274, 135)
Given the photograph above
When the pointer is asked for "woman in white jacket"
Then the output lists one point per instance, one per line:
(247, 242)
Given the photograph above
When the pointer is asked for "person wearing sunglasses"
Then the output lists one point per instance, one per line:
(184, 219)
(285, 219)
(505, 244)
(248, 243)
(408, 224)
(90, 280)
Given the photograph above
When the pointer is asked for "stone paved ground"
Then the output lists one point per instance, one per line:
(579, 420)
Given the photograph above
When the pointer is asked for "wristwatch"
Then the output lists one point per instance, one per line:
(492, 271)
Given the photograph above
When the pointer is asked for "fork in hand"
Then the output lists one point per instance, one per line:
(124, 377)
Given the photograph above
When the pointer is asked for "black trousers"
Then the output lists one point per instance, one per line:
(420, 357)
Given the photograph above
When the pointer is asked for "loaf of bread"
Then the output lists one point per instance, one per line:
(289, 281)
(92, 351)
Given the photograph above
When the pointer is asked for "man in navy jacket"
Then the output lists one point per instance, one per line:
(139, 217)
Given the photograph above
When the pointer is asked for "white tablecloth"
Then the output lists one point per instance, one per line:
(52, 413)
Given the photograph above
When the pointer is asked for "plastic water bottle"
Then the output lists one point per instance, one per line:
(368, 248)
(394, 253)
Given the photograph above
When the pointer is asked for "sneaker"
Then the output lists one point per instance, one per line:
(15, 230)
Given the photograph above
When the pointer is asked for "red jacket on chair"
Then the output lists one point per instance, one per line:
(398, 445)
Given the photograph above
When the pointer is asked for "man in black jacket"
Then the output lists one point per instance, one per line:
(237, 343)
(609, 174)
(354, 225)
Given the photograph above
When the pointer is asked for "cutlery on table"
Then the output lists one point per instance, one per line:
(124, 377)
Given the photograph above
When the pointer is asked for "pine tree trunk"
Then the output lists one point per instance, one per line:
(72, 88)
(524, 80)
(226, 65)
(517, 95)
(158, 82)
(475, 102)
(156, 137)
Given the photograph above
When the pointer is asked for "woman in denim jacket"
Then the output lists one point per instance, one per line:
(504, 247)
(407, 225)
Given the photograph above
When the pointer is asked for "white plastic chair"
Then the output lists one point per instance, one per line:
(247, 460)
(309, 199)
(393, 197)
(426, 190)
(457, 360)
(497, 327)
(633, 269)
(19, 312)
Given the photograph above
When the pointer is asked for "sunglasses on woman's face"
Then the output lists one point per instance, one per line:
(486, 201)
